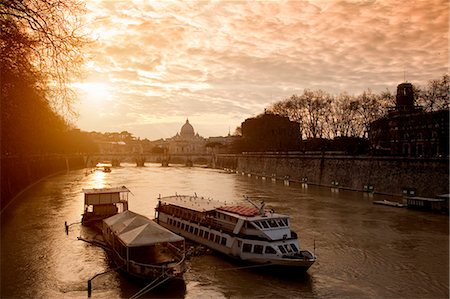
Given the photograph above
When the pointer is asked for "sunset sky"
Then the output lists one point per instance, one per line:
(156, 63)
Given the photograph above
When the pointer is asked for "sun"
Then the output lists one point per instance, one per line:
(94, 92)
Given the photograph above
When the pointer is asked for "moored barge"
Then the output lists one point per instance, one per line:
(101, 203)
(245, 232)
(143, 248)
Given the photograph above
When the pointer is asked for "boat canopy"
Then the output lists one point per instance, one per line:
(148, 234)
(136, 230)
(104, 195)
(106, 190)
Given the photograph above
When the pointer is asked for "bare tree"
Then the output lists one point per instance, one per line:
(343, 115)
(292, 107)
(317, 104)
(435, 96)
(53, 32)
(369, 109)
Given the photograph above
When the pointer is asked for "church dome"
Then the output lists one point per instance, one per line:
(187, 130)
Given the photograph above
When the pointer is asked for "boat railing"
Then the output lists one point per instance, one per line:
(173, 247)
(165, 265)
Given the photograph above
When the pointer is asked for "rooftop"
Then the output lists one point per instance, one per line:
(106, 190)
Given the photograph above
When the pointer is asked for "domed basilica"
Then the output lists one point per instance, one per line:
(186, 141)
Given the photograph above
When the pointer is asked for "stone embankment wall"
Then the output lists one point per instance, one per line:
(387, 175)
(17, 173)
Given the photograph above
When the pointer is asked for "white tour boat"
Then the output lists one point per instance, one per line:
(248, 233)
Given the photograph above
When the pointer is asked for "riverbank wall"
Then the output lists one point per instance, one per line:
(395, 176)
(17, 173)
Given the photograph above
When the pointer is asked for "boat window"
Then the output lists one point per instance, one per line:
(286, 221)
(182, 226)
(282, 249)
(191, 229)
(270, 250)
(201, 232)
(211, 237)
(223, 241)
(288, 248)
(217, 239)
(272, 223)
(206, 235)
(257, 224)
(247, 247)
(280, 222)
(294, 248)
(258, 249)
(264, 224)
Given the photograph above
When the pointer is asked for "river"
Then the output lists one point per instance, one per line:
(364, 250)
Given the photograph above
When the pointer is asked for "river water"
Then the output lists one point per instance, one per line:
(364, 250)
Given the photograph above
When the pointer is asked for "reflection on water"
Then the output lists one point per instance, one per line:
(363, 250)
(99, 179)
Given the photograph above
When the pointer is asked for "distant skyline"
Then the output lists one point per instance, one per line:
(156, 63)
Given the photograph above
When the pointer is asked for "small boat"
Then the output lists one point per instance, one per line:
(389, 203)
(103, 166)
(102, 203)
(137, 245)
(249, 233)
(437, 204)
(144, 249)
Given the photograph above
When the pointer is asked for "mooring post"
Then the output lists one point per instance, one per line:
(89, 288)
(66, 227)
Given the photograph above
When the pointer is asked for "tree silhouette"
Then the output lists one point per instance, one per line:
(39, 50)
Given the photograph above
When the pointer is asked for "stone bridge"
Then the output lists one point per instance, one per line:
(141, 158)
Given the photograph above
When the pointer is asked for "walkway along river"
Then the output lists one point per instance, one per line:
(363, 250)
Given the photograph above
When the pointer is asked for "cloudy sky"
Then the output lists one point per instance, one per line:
(156, 63)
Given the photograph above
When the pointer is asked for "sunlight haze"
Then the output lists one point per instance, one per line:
(156, 63)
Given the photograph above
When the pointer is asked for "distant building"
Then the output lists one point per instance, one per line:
(186, 142)
(270, 132)
(409, 131)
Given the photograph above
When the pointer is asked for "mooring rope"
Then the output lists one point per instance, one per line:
(98, 274)
(151, 286)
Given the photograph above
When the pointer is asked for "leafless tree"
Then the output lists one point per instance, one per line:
(292, 107)
(370, 108)
(317, 103)
(435, 96)
(343, 115)
(52, 31)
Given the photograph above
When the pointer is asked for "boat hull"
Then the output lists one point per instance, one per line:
(302, 261)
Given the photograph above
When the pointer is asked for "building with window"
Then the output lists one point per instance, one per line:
(409, 131)
(186, 142)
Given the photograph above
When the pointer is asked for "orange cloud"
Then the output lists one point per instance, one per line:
(231, 59)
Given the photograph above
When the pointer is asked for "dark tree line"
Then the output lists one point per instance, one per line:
(325, 116)
(40, 52)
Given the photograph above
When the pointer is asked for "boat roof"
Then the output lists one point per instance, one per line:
(106, 190)
(196, 203)
(135, 230)
(426, 198)
(202, 204)
(241, 210)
